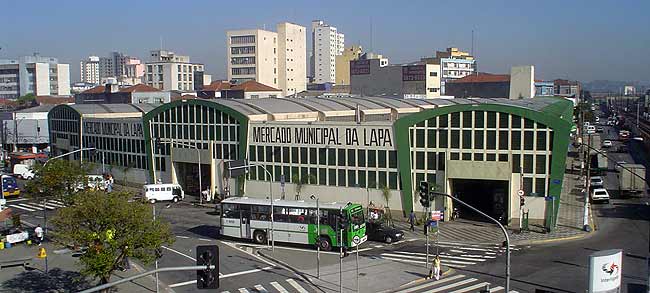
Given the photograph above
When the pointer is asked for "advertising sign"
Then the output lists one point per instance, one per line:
(322, 135)
(414, 73)
(436, 215)
(359, 67)
(605, 271)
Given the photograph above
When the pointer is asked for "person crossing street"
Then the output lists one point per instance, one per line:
(412, 220)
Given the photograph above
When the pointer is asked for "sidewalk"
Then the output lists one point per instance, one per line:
(569, 222)
(63, 272)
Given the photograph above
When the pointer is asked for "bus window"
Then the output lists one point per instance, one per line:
(357, 217)
(297, 215)
(261, 213)
(245, 211)
(311, 216)
(280, 214)
(231, 211)
(169, 189)
(324, 217)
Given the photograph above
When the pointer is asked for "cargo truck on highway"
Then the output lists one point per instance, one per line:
(628, 181)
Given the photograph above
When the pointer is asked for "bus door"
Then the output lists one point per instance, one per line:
(245, 221)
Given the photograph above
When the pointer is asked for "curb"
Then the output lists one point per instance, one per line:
(292, 269)
(420, 280)
(552, 240)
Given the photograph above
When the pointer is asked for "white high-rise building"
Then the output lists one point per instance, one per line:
(276, 59)
(90, 70)
(41, 76)
(168, 71)
(327, 43)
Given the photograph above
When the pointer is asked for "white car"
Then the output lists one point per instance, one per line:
(600, 195)
(607, 144)
(596, 182)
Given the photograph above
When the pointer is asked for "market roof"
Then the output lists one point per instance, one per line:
(139, 88)
(37, 109)
(113, 110)
(334, 108)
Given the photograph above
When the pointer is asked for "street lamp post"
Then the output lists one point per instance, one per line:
(503, 229)
(317, 235)
(69, 153)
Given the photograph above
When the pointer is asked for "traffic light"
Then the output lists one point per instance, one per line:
(423, 190)
(522, 201)
(207, 278)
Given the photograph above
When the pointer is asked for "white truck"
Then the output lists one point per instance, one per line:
(23, 171)
(628, 181)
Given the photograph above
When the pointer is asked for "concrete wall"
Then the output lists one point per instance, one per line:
(522, 82)
(478, 89)
(381, 81)
(292, 59)
(343, 64)
(63, 77)
(42, 80)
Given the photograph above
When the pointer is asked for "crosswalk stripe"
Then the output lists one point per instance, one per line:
(243, 290)
(443, 255)
(30, 206)
(52, 203)
(419, 287)
(46, 206)
(470, 288)
(279, 287)
(422, 262)
(459, 283)
(496, 289)
(442, 258)
(225, 292)
(468, 248)
(260, 289)
(22, 208)
(297, 286)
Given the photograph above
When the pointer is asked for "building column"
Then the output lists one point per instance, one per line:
(213, 169)
(172, 167)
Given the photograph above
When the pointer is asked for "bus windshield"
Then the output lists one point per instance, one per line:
(357, 217)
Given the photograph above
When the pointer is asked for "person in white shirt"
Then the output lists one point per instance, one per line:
(39, 234)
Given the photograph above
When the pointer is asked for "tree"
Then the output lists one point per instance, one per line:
(59, 179)
(112, 228)
(301, 181)
(27, 99)
(386, 194)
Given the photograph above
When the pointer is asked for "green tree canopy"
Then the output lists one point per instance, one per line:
(58, 178)
(26, 99)
(112, 227)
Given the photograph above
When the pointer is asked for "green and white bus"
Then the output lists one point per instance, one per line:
(295, 221)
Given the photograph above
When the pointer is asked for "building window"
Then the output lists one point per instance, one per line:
(433, 73)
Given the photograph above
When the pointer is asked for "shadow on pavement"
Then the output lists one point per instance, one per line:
(637, 288)
(626, 211)
(207, 231)
(37, 281)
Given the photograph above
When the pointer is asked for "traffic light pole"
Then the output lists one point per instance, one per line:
(426, 232)
(503, 229)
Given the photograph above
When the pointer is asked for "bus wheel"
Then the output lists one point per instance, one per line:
(259, 237)
(388, 239)
(325, 243)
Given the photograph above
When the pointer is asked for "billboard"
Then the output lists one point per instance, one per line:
(414, 73)
(359, 67)
(605, 271)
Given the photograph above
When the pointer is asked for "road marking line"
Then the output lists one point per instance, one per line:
(184, 237)
(30, 206)
(55, 204)
(470, 288)
(279, 287)
(443, 288)
(421, 261)
(495, 289)
(260, 289)
(22, 208)
(442, 258)
(222, 276)
(225, 292)
(243, 290)
(295, 284)
(178, 252)
(18, 199)
(182, 284)
(205, 239)
(442, 255)
(416, 288)
(251, 254)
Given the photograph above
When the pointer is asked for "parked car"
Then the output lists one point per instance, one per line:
(607, 143)
(596, 182)
(23, 171)
(600, 195)
(599, 129)
(380, 232)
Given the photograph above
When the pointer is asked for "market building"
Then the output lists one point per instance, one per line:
(365, 150)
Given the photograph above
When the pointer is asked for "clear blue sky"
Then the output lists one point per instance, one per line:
(581, 39)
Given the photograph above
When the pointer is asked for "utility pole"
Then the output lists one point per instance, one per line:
(585, 217)
(154, 219)
(338, 225)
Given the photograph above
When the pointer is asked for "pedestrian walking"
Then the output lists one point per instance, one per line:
(412, 220)
(436, 267)
(38, 231)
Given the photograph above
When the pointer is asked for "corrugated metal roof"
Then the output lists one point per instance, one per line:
(113, 108)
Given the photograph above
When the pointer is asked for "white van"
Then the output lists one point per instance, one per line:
(23, 171)
(162, 192)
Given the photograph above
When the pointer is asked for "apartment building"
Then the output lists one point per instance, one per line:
(327, 43)
(89, 70)
(343, 64)
(454, 64)
(168, 71)
(276, 59)
(41, 76)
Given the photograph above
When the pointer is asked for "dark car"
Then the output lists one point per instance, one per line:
(381, 232)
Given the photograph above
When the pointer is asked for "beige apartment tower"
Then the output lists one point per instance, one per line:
(277, 59)
(343, 64)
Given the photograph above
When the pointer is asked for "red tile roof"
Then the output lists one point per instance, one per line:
(139, 88)
(483, 77)
(53, 100)
(217, 85)
(96, 90)
(183, 97)
(254, 86)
